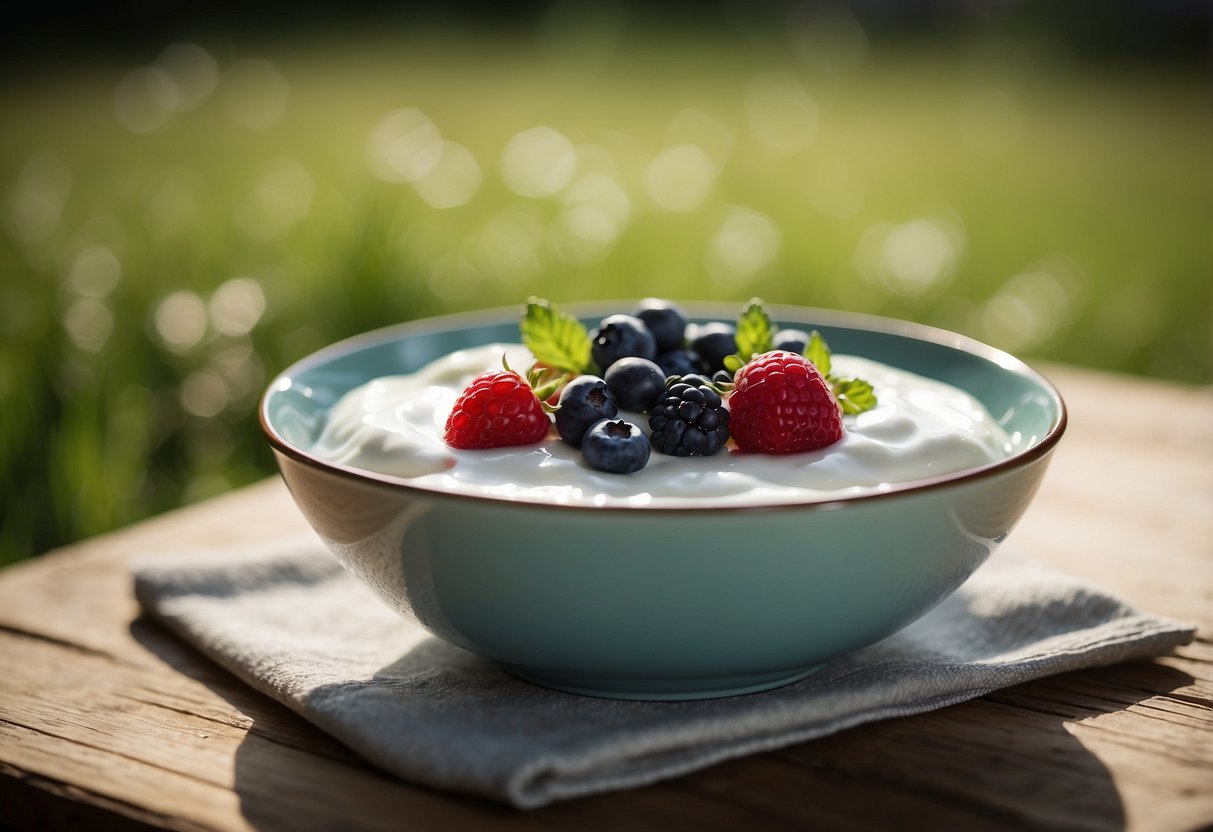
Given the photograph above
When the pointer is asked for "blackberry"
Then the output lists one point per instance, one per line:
(695, 380)
(689, 419)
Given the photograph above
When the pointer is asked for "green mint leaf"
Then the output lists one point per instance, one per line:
(555, 338)
(818, 352)
(854, 395)
(733, 363)
(754, 331)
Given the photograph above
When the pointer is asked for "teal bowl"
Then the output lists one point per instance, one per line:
(663, 603)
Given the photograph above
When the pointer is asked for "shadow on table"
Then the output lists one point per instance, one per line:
(1003, 761)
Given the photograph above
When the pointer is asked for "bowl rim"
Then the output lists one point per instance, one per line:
(694, 309)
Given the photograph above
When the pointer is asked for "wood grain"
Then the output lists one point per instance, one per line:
(108, 721)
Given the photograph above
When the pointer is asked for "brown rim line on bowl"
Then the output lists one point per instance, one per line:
(696, 310)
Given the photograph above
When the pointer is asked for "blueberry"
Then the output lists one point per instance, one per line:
(714, 342)
(621, 336)
(636, 383)
(664, 320)
(679, 362)
(615, 446)
(792, 340)
(583, 401)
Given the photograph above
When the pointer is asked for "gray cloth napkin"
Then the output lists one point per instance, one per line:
(289, 621)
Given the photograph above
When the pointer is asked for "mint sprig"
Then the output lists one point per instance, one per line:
(554, 337)
(818, 352)
(854, 395)
(756, 335)
(540, 380)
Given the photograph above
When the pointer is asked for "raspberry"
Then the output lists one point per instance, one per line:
(497, 409)
(783, 405)
(689, 419)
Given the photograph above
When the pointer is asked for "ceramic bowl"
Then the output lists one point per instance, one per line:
(650, 603)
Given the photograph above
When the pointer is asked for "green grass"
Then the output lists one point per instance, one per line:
(1096, 184)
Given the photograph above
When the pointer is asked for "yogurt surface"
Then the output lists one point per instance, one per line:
(920, 428)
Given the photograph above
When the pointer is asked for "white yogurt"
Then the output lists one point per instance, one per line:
(919, 429)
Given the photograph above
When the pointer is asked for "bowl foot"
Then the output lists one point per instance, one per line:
(624, 687)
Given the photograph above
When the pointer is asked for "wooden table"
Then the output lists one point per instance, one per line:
(106, 720)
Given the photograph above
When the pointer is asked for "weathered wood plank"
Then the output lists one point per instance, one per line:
(1131, 509)
(920, 752)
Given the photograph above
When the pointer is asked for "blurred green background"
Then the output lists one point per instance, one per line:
(187, 208)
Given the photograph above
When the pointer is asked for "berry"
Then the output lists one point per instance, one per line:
(782, 404)
(679, 362)
(695, 380)
(689, 419)
(636, 383)
(664, 320)
(615, 446)
(621, 336)
(584, 401)
(791, 340)
(497, 409)
(714, 342)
